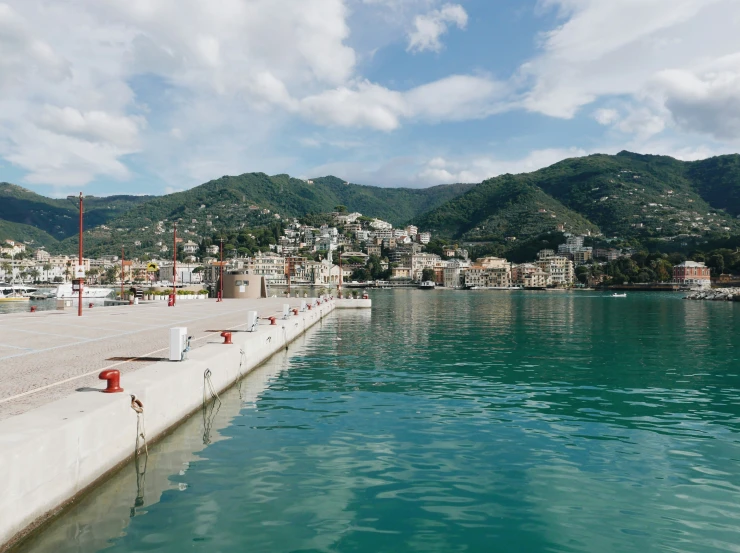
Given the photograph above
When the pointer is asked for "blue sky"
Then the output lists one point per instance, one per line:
(143, 96)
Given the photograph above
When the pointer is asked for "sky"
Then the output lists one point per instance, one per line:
(156, 96)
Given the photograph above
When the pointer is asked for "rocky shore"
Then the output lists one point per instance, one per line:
(717, 294)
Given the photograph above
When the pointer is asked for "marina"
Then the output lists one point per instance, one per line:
(440, 422)
(50, 383)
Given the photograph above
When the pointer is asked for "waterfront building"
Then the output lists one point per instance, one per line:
(560, 269)
(489, 272)
(692, 273)
(421, 261)
(424, 237)
(453, 274)
(186, 272)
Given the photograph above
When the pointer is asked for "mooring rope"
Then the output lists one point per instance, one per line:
(208, 387)
(138, 406)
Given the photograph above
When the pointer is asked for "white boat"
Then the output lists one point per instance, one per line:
(427, 285)
(615, 295)
(65, 291)
(12, 292)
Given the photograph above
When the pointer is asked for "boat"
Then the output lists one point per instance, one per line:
(427, 285)
(65, 291)
(11, 292)
(615, 295)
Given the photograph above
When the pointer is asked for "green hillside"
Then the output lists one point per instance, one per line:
(233, 202)
(58, 217)
(507, 206)
(627, 195)
(26, 233)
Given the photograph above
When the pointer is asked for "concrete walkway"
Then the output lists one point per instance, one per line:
(42, 349)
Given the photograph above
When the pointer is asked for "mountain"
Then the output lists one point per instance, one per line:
(53, 219)
(235, 201)
(627, 195)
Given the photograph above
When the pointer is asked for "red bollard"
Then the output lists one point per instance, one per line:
(365, 297)
(309, 306)
(227, 337)
(113, 377)
(90, 305)
(273, 320)
(295, 311)
(33, 309)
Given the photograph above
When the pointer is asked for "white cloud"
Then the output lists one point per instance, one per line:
(439, 170)
(454, 98)
(605, 116)
(618, 47)
(429, 28)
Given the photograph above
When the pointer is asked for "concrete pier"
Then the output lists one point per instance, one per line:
(59, 435)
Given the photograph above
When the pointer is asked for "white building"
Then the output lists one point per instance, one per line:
(190, 247)
(379, 224)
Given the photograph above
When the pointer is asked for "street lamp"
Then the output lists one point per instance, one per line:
(80, 272)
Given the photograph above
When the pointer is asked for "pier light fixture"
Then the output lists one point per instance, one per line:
(80, 271)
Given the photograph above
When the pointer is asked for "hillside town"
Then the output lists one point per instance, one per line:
(351, 249)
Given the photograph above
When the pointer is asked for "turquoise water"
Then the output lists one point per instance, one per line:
(460, 421)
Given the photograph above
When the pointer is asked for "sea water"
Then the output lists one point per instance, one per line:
(454, 421)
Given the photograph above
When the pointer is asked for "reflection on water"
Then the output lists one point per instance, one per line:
(453, 421)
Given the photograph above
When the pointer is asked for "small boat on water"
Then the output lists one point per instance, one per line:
(615, 295)
(427, 285)
(11, 292)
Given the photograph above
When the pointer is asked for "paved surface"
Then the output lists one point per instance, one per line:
(58, 349)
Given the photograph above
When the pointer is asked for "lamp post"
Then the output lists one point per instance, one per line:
(221, 273)
(122, 273)
(174, 265)
(80, 279)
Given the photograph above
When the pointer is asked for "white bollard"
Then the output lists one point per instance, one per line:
(178, 342)
(251, 321)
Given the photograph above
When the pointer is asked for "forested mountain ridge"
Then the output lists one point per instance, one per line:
(627, 195)
(257, 200)
(27, 216)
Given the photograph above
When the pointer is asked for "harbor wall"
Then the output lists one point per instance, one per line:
(54, 453)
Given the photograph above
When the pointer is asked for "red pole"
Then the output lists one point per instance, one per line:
(122, 273)
(79, 307)
(174, 269)
(221, 274)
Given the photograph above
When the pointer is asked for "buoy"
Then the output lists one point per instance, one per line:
(227, 337)
(113, 376)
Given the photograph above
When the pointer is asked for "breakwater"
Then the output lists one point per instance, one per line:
(716, 294)
(56, 451)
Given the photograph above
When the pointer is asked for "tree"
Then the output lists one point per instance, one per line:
(428, 274)
(582, 274)
(716, 262)
(340, 208)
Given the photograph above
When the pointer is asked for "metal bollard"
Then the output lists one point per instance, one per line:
(113, 377)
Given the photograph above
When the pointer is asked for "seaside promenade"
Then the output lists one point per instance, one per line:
(60, 435)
